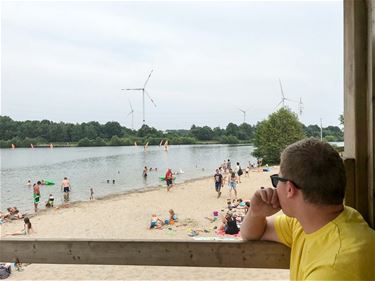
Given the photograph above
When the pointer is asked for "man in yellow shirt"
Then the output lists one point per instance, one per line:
(328, 241)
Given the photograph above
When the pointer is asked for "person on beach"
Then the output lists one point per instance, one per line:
(13, 214)
(91, 193)
(36, 195)
(229, 165)
(169, 179)
(145, 170)
(328, 240)
(50, 201)
(156, 222)
(229, 224)
(66, 188)
(27, 229)
(218, 179)
(232, 185)
(239, 171)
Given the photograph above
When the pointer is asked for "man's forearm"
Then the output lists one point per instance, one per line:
(253, 227)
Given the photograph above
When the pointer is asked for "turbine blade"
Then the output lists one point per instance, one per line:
(148, 78)
(150, 98)
(281, 88)
(278, 105)
(131, 106)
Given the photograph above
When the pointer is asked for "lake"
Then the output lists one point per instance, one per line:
(92, 166)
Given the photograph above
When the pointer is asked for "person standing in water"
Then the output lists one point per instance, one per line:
(169, 179)
(66, 188)
(36, 195)
(145, 170)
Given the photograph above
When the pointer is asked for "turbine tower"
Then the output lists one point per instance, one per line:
(132, 114)
(283, 98)
(300, 106)
(143, 95)
(244, 113)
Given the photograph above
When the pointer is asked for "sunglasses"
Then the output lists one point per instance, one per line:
(275, 180)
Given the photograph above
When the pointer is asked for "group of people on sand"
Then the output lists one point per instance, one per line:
(226, 175)
(14, 214)
(65, 188)
(158, 223)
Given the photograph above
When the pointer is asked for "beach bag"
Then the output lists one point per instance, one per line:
(4, 271)
(240, 172)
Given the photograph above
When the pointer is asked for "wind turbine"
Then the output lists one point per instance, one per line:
(132, 113)
(300, 106)
(143, 95)
(244, 113)
(283, 98)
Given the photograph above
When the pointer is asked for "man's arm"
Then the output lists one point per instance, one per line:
(256, 225)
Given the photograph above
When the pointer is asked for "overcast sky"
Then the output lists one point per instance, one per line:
(67, 61)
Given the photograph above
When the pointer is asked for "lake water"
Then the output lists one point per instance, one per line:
(92, 166)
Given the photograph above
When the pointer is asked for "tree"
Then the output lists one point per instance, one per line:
(275, 133)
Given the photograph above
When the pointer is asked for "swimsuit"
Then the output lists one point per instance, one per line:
(66, 189)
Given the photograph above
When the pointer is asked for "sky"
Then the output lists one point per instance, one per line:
(68, 61)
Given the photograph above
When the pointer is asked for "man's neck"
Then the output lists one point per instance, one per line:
(314, 217)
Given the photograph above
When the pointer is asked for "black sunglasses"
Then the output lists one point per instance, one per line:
(275, 180)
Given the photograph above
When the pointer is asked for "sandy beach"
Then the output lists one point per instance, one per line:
(128, 217)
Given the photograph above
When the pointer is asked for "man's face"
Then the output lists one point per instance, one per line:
(281, 190)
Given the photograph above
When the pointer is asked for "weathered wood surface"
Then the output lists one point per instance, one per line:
(350, 182)
(239, 254)
(358, 101)
(371, 113)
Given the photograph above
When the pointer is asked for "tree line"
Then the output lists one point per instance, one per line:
(25, 133)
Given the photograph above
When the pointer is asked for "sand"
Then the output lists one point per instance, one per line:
(127, 217)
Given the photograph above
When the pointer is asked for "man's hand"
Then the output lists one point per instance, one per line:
(256, 226)
(264, 203)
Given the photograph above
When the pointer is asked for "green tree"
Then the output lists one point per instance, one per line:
(274, 134)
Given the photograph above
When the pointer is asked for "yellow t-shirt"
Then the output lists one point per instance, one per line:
(343, 249)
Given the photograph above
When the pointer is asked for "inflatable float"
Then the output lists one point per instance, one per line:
(163, 178)
(48, 182)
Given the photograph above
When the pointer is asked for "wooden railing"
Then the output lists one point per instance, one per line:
(239, 254)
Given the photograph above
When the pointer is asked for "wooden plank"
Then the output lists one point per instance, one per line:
(238, 254)
(370, 112)
(350, 182)
(355, 97)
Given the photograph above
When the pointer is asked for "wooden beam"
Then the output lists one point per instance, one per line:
(239, 254)
(355, 98)
(350, 181)
(370, 111)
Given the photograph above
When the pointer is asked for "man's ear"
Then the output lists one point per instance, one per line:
(291, 190)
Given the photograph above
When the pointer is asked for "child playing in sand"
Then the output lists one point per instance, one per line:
(172, 217)
(27, 228)
(156, 222)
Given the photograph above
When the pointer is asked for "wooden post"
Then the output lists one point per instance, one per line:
(370, 112)
(358, 102)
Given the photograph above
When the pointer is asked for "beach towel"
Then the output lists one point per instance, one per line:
(221, 232)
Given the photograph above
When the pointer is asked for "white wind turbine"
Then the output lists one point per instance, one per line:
(143, 95)
(300, 106)
(283, 98)
(132, 114)
(244, 113)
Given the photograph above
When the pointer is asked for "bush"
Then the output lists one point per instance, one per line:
(275, 133)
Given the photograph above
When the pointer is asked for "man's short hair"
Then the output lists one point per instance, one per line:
(317, 168)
